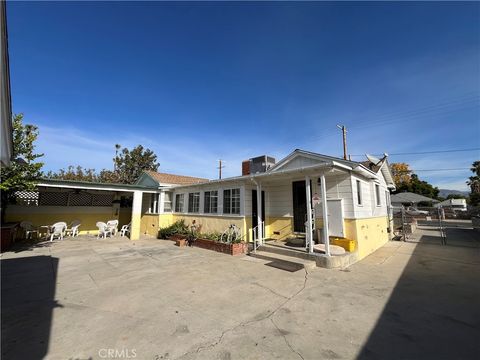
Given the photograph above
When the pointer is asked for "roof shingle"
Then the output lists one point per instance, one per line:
(164, 178)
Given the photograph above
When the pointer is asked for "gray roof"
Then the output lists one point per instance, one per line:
(408, 197)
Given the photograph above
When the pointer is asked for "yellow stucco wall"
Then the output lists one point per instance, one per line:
(281, 225)
(370, 234)
(213, 223)
(48, 215)
(149, 224)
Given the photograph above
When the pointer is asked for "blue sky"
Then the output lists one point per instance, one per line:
(203, 81)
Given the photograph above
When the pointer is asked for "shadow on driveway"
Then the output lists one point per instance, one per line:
(28, 293)
(433, 312)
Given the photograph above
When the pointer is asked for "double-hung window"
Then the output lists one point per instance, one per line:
(167, 202)
(193, 202)
(210, 205)
(231, 201)
(179, 202)
(359, 193)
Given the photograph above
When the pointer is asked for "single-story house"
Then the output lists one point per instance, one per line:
(409, 198)
(283, 199)
(454, 204)
(270, 200)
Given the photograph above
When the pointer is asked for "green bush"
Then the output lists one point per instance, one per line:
(178, 227)
(215, 236)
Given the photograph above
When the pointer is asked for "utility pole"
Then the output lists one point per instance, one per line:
(220, 167)
(344, 131)
(117, 147)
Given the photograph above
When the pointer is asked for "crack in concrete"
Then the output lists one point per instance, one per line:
(247, 323)
(268, 289)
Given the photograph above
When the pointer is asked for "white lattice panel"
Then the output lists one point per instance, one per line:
(27, 198)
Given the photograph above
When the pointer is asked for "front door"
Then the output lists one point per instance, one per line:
(255, 208)
(299, 206)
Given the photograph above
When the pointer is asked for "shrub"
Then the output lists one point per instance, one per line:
(215, 236)
(178, 227)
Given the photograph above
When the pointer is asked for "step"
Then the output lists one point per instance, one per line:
(283, 250)
(284, 262)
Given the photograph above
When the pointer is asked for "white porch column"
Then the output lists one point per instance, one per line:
(259, 213)
(323, 192)
(136, 215)
(161, 205)
(308, 228)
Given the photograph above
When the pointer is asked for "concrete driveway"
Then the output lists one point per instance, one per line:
(91, 298)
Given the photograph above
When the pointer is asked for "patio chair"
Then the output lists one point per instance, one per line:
(29, 229)
(73, 228)
(103, 230)
(113, 226)
(58, 230)
(125, 229)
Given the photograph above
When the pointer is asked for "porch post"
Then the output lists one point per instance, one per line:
(259, 213)
(308, 228)
(323, 192)
(136, 215)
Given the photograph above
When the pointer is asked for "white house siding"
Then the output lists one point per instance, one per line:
(369, 207)
(300, 162)
(278, 200)
(338, 187)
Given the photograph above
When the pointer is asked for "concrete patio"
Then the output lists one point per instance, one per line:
(88, 298)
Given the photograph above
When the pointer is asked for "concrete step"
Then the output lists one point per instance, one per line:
(283, 250)
(284, 262)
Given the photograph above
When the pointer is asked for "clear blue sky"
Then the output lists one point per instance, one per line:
(203, 81)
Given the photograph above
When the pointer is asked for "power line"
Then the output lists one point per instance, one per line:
(425, 152)
(451, 169)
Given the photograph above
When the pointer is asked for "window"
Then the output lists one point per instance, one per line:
(167, 202)
(377, 194)
(211, 202)
(231, 201)
(153, 208)
(179, 202)
(193, 202)
(359, 192)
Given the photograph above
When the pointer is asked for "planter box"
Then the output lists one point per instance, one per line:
(231, 249)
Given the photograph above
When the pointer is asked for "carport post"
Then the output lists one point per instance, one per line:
(136, 215)
(260, 227)
(323, 193)
(308, 227)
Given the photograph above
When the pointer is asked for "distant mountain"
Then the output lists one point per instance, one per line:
(445, 192)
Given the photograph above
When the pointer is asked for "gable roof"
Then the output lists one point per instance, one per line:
(164, 178)
(312, 155)
(381, 165)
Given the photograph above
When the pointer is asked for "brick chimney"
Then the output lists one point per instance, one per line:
(245, 167)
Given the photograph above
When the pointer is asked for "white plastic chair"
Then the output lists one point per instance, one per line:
(125, 229)
(113, 226)
(58, 230)
(29, 229)
(103, 230)
(73, 229)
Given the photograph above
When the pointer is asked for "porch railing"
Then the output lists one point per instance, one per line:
(258, 240)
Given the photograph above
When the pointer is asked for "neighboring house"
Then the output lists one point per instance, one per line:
(453, 204)
(357, 199)
(5, 98)
(409, 198)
